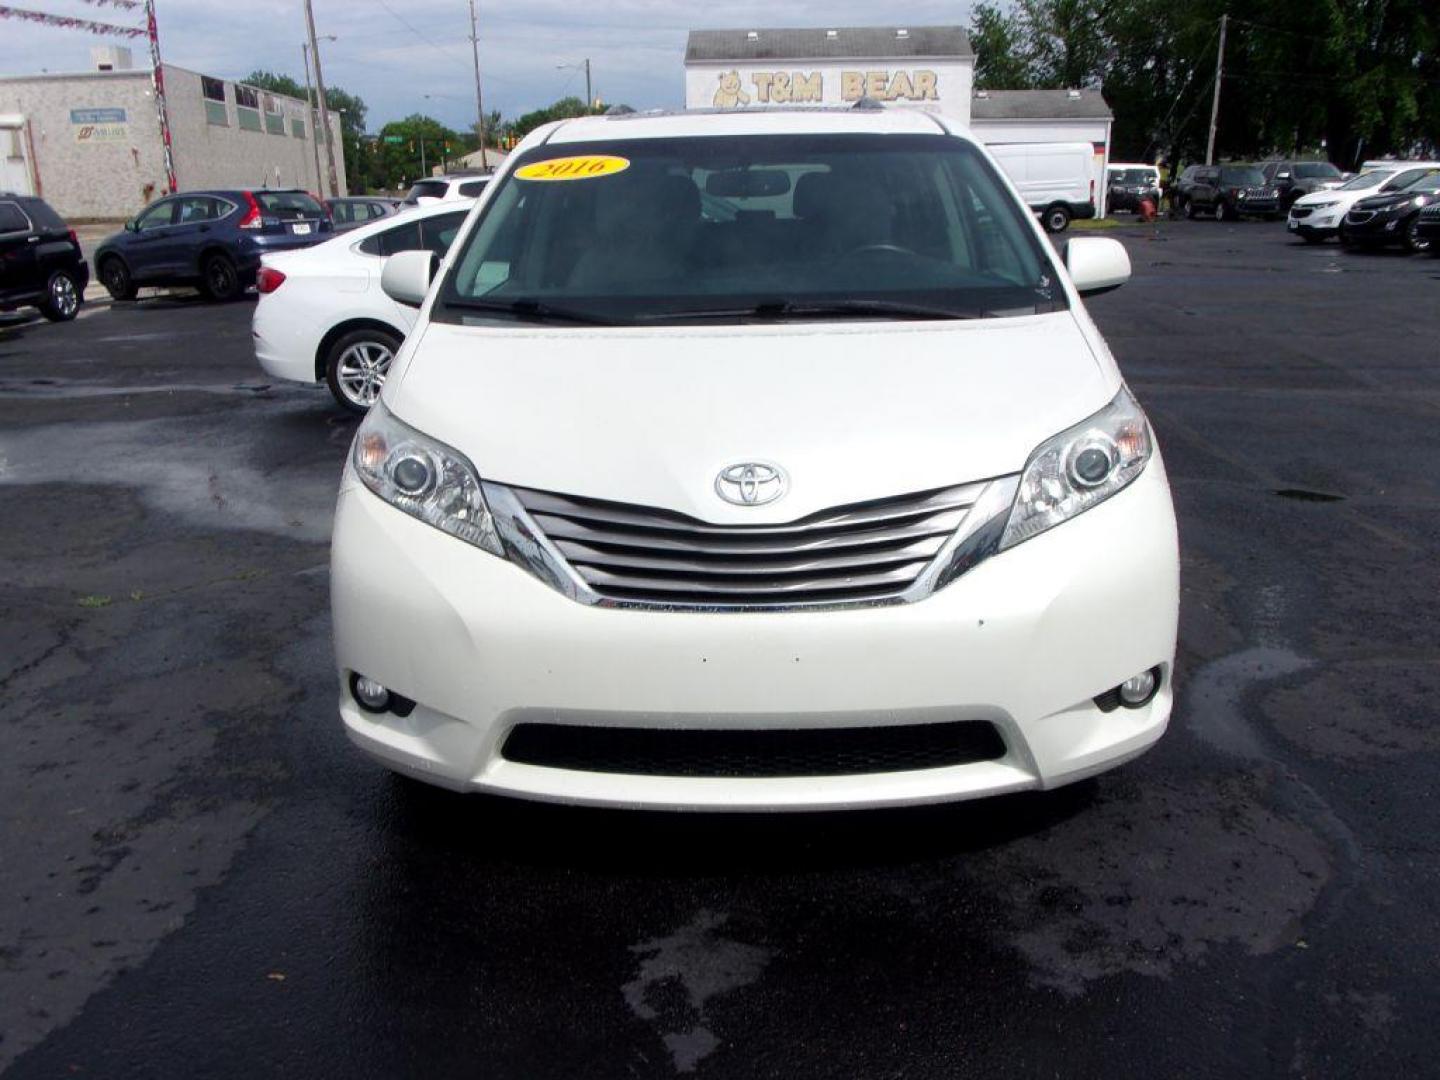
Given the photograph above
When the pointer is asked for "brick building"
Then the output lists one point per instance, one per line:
(89, 141)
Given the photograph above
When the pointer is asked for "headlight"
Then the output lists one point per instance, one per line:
(1419, 200)
(1323, 205)
(1079, 468)
(423, 477)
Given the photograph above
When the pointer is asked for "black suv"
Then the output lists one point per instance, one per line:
(40, 260)
(1295, 178)
(1227, 191)
(210, 239)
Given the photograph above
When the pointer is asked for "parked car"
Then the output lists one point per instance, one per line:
(1296, 178)
(1227, 191)
(350, 212)
(322, 316)
(825, 502)
(1392, 217)
(212, 240)
(1127, 184)
(438, 188)
(1056, 180)
(40, 260)
(1427, 228)
(1317, 217)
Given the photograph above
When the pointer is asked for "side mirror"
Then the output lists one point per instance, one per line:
(406, 277)
(132, 226)
(1097, 264)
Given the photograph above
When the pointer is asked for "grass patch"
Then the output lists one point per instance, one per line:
(93, 601)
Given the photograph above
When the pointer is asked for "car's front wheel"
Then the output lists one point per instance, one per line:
(357, 365)
(1413, 240)
(1226, 212)
(219, 280)
(115, 276)
(62, 298)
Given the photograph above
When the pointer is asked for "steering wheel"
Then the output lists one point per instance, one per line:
(890, 249)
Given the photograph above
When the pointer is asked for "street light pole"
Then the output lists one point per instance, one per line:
(479, 100)
(324, 111)
(1215, 101)
(314, 129)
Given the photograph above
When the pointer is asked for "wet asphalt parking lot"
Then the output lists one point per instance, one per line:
(199, 877)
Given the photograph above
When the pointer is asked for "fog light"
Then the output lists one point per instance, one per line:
(371, 695)
(1139, 689)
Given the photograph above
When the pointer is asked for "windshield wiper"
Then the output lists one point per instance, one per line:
(792, 309)
(530, 311)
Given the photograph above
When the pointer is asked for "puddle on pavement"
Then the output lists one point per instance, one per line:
(680, 973)
(1213, 701)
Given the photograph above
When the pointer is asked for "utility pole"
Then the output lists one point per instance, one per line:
(320, 94)
(1214, 101)
(310, 104)
(157, 84)
(589, 99)
(479, 100)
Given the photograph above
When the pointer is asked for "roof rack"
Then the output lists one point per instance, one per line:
(869, 104)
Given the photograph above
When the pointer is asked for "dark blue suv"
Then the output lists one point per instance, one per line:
(212, 240)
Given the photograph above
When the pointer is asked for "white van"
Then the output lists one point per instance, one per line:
(1056, 180)
(716, 475)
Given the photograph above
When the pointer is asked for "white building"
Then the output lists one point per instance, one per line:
(89, 142)
(923, 67)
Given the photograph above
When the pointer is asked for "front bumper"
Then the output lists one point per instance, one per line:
(1380, 229)
(1256, 207)
(1025, 640)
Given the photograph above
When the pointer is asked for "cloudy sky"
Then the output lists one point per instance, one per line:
(395, 52)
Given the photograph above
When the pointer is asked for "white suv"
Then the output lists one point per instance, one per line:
(435, 189)
(1316, 217)
(754, 461)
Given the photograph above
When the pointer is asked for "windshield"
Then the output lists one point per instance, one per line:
(1133, 176)
(428, 189)
(1242, 176)
(288, 204)
(742, 227)
(1365, 181)
(1429, 183)
(1316, 170)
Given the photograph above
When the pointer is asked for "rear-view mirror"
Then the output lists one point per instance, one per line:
(747, 183)
(1097, 264)
(406, 277)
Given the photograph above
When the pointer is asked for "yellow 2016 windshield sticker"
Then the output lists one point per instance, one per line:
(582, 167)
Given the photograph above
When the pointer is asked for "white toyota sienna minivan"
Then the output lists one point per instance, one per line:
(754, 461)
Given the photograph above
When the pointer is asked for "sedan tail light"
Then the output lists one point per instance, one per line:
(268, 279)
(73, 238)
(251, 220)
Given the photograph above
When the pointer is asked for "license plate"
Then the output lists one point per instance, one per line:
(1292, 224)
(302, 229)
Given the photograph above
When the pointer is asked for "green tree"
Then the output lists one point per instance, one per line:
(350, 108)
(999, 43)
(423, 143)
(561, 110)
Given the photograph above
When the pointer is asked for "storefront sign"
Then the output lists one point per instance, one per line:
(810, 87)
(100, 125)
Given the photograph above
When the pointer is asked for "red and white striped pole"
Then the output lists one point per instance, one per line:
(157, 82)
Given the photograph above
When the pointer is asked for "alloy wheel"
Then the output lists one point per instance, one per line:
(361, 371)
(64, 297)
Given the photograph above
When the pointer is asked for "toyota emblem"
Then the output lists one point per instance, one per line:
(751, 483)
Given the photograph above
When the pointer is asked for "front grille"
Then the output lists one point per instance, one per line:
(862, 552)
(1300, 211)
(1359, 217)
(754, 753)
(1431, 212)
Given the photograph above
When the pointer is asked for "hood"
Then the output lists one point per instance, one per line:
(850, 412)
(1329, 195)
(1391, 199)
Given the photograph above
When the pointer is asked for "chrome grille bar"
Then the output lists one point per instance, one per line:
(861, 552)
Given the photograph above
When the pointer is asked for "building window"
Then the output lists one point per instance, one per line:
(297, 128)
(216, 111)
(247, 108)
(274, 116)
